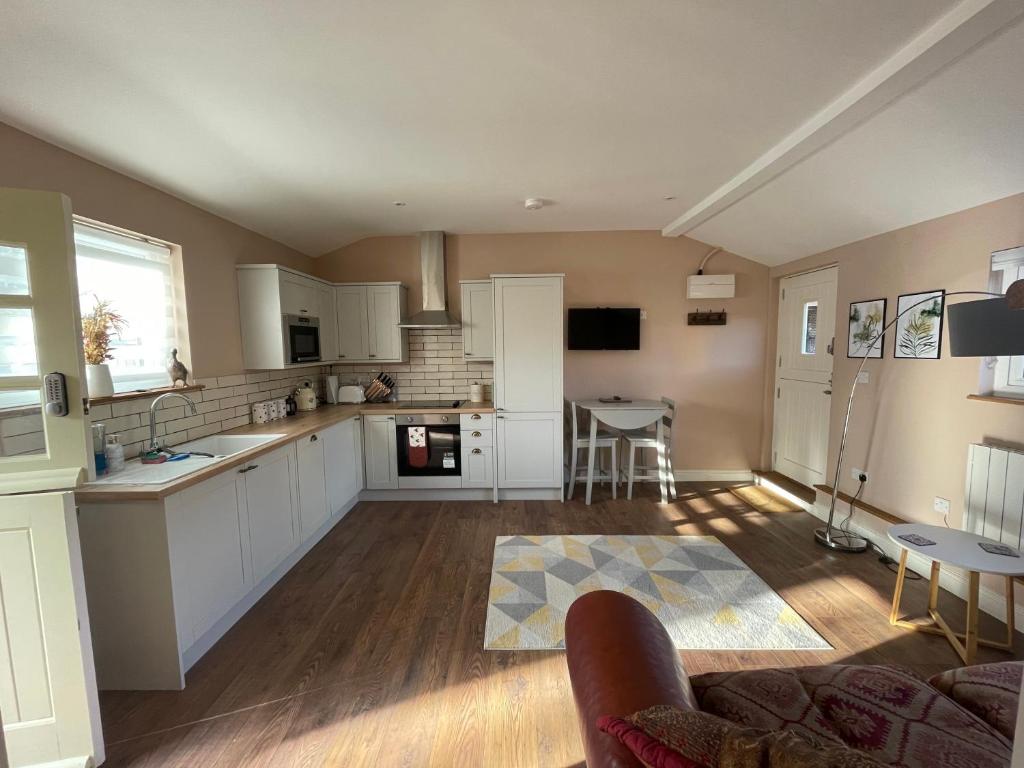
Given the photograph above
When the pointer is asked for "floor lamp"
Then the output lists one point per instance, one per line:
(989, 327)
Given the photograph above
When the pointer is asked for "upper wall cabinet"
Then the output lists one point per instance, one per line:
(368, 318)
(266, 293)
(300, 295)
(477, 319)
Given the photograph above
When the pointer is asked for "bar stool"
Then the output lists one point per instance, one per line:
(605, 439)
(646, 438)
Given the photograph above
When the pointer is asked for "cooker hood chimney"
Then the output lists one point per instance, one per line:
(435, 311)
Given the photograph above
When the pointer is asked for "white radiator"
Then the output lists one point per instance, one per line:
(995, 493)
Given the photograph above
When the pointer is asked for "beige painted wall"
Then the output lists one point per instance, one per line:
(210, 245)
(912, 424)
(716, 375)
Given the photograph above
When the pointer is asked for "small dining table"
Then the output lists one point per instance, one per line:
(626, 414)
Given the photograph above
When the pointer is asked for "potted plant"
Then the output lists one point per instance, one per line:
(98, 327)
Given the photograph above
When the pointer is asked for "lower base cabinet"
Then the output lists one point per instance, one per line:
(529, 450)
(166, 578)
(313, 511)
(381, 452)
(477, 466)
(209, 541)
(343, 463)
(270, 494)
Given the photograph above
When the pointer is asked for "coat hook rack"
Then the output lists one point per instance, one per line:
(706, 318)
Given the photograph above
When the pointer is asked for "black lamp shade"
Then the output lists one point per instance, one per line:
(985, 328)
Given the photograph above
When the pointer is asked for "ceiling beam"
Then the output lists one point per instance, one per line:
(967, 25)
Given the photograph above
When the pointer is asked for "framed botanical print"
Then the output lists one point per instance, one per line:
(867, 319)
(919, 331)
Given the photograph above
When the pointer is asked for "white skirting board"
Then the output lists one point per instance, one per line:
(713, 476)
(951, 579)
(461, 494)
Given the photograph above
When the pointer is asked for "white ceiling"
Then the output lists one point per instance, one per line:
(304, 121)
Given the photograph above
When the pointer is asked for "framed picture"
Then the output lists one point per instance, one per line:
(867, 319)
(919, 331)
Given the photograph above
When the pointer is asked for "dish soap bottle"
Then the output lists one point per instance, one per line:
(114, 453)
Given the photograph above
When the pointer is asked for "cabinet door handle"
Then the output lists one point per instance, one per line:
(303, 311)
(499, 417)
(468, 354)
(478, 434)
(477, 450)
(250, 468)
(475, 417)
(372, 355)
(391, 418)
(313, 439)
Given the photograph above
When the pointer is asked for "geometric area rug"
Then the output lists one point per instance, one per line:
(706, 597)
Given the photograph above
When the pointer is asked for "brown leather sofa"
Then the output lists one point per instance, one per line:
(621, 660)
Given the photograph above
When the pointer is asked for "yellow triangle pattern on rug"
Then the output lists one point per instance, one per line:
(706, 597)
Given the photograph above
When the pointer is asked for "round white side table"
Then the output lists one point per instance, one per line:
(959, 549)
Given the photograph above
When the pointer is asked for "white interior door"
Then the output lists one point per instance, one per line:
(803, 380)
(48, 700)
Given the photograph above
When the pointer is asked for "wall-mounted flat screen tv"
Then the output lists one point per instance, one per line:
(604, 328)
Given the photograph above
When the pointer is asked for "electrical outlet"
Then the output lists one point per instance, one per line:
(856, 474)
(941, 506)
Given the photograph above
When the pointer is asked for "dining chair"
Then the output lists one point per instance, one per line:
(581, 439)
(639, 439)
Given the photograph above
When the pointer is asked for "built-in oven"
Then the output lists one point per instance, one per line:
(301, 339)
(428, 446)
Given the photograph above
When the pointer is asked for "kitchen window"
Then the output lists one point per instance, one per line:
(140, 278)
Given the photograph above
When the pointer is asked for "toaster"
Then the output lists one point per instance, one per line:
(352, 393)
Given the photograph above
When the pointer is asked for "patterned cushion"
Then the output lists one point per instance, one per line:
(666, 737)
(885, 712)
(988, 690)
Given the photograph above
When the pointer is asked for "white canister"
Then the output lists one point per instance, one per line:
(262, 413)
(476, 393)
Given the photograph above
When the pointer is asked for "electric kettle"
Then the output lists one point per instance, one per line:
(305, 396)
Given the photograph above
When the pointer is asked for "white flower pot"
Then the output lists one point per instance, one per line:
(98, 381)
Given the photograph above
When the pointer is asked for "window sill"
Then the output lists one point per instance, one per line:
(998, 399)
(122, 397)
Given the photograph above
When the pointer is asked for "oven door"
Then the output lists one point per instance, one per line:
(303, 342)
(440, 456)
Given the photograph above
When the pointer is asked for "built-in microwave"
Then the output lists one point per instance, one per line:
(301, 339)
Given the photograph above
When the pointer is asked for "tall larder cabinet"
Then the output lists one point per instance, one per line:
(528, 379)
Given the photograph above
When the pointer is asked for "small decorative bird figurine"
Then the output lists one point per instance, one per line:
(177, 370)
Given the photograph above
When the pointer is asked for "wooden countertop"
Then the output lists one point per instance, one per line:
(291, 429)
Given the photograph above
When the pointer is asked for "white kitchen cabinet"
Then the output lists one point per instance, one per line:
(380, 451)
(313, 511)
(328, 323)
(267, 292)
(528, 332)
(477, 466)
(529, 450)
(270, 494)
(368, 318)
(528, 396)
(353, 322)
(343, 462)
(300, 295)
(477, 319)
(209, 538)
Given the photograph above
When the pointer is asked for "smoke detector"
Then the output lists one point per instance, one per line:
(534, 203)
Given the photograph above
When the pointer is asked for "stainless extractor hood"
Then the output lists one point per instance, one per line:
(435, 311)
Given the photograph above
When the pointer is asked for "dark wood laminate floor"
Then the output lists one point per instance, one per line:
(370, 651)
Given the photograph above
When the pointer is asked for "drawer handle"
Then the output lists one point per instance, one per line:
(477, 450)
(475, 417)
(372, 355)
(250, 468)
(478, 434)
(313, 439)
